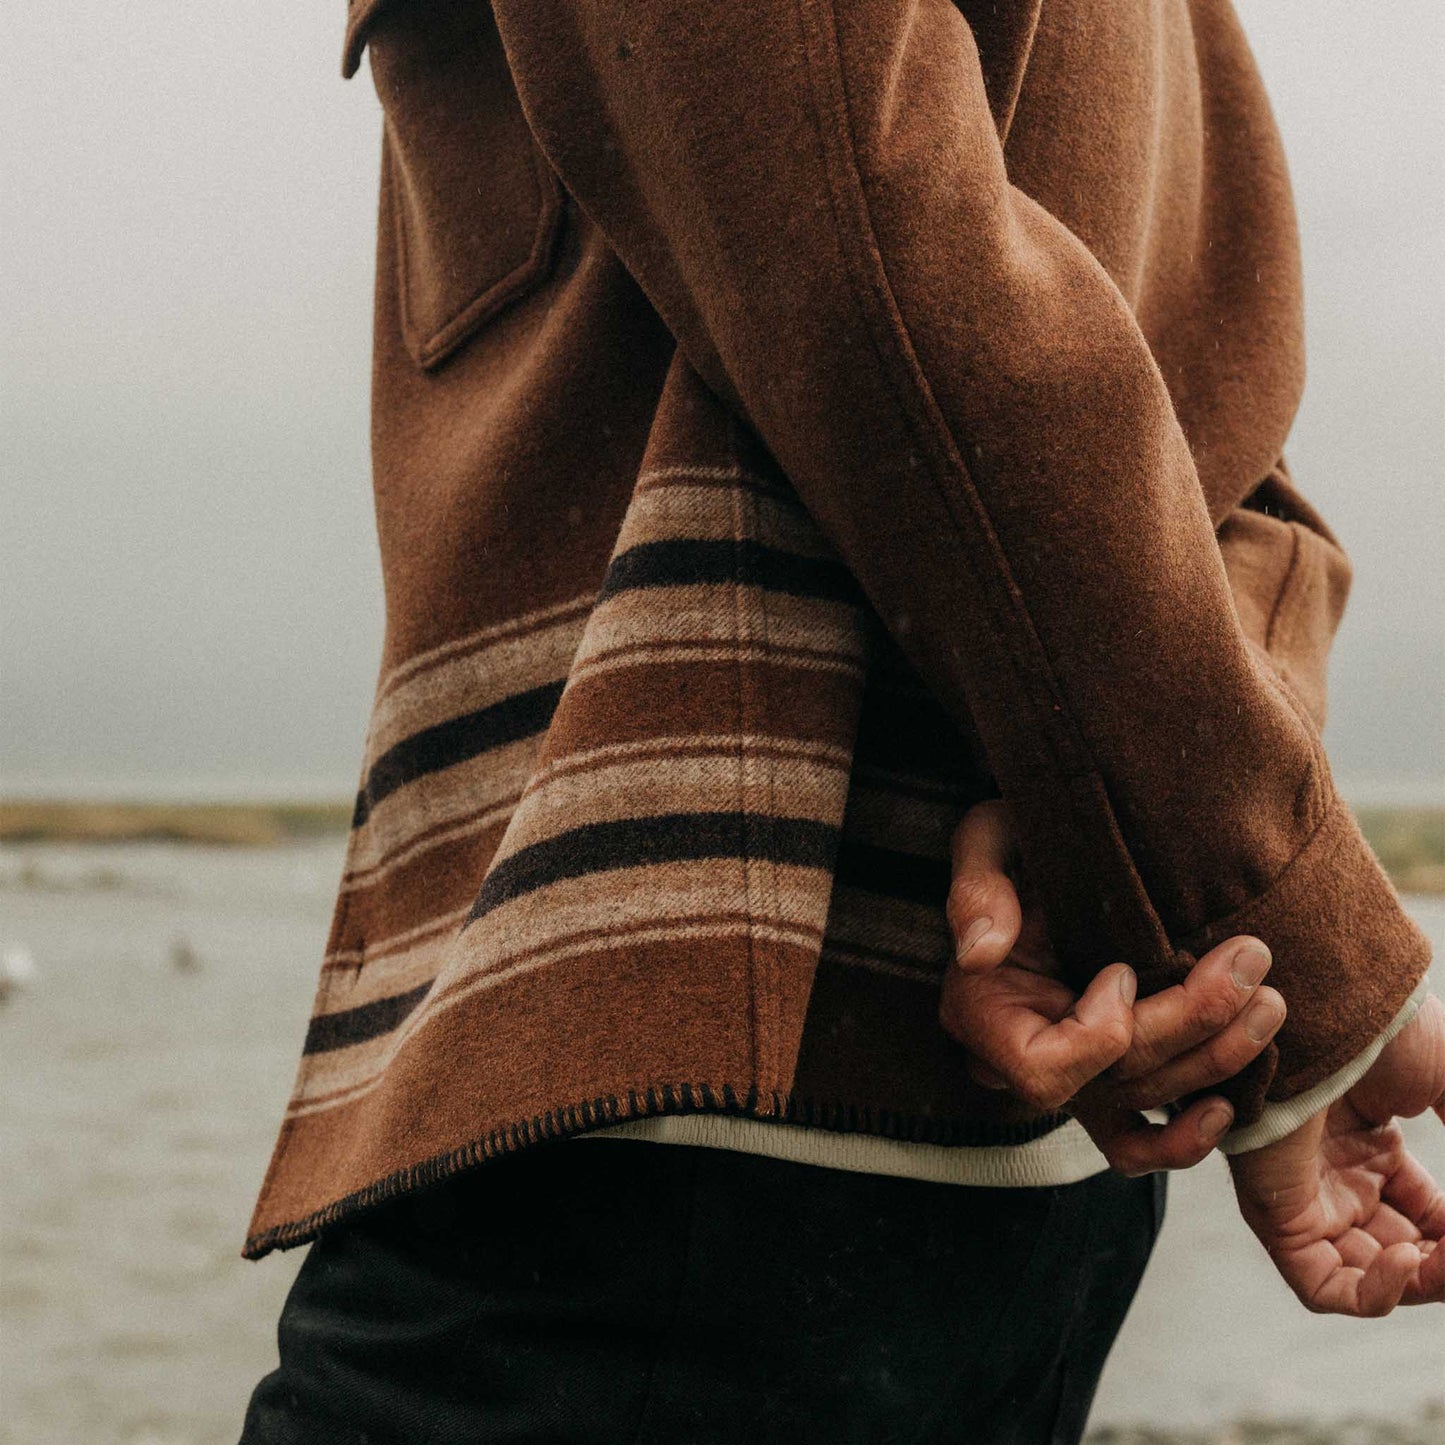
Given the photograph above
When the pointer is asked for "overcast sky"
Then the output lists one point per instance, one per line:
(189, 591)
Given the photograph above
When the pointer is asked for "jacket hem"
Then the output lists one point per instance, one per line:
(568, 1120)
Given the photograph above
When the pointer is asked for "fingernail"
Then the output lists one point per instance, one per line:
(1215, 1120)
(1250, 965)
(1261, 1019)
(1129, 985)
(971, 935)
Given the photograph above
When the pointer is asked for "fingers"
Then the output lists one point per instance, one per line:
(1134, 1145)
(1412, 1191)
(1019, 1025)
(1367, 1293)
(1211, 998)
(1211, 1062)
(1430, 1284)
(983, 906)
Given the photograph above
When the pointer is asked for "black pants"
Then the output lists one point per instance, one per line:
(626, 1291)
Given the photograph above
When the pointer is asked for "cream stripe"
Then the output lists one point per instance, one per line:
(824, 754)
(366, 877)
(480, 679)
(1064, 1156)
(732, 473)
(643, 654)
(384, 948)
(419, 662)
(710, 514)
(706, 613)
(689, 783)
(448, 796)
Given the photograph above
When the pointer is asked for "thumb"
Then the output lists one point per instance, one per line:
(983, 907)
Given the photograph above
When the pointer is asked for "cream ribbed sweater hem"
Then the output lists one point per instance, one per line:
(1063, 1156)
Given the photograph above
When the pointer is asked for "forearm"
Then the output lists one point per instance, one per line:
(814, 197)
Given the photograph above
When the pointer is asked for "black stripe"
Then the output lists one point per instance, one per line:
(445, 744)
(660, 838)
(356, 1025)
(892, 874)
(688, 561)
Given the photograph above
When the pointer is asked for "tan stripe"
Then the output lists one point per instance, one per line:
(708, 613)
(645, 654)
(490, 780)
(541, 617)
(635, 895)
(712, 514)
(822, 755)
(688, 780)
(474, 680)
(721, 476)
(376, 958)
(494, 816)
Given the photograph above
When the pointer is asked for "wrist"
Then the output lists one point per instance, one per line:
(1285, 1116)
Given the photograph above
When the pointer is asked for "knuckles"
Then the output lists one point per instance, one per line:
(1215, 1009)
(1048, 1095)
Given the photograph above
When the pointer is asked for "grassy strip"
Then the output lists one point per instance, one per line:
(242, 824)
(1427, 1428)
(1410, 841)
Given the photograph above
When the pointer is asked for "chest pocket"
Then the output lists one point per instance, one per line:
(475, 206)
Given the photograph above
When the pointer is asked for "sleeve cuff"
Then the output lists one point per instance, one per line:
(1280, 1119)
(1346, 956)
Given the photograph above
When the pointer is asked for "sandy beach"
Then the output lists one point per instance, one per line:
(144, 1066)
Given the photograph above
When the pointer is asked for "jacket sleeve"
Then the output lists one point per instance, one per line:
(812, 194)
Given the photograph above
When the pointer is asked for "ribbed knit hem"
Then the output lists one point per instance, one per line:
(1285, 1117)
(1063, 1156)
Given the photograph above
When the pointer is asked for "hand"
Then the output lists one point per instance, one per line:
(1101, 1055)
(1351, 1219)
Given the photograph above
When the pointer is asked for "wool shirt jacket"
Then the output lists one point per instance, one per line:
(794, 421)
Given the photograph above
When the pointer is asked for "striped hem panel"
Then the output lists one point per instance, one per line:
(1064, 1156)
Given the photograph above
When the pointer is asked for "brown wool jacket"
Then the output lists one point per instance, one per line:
(793, 422)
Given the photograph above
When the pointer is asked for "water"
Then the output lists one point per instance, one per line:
(144, 1067)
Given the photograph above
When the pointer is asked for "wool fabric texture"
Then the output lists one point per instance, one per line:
(794, 422)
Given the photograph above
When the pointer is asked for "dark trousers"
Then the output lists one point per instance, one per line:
(627, 1291)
